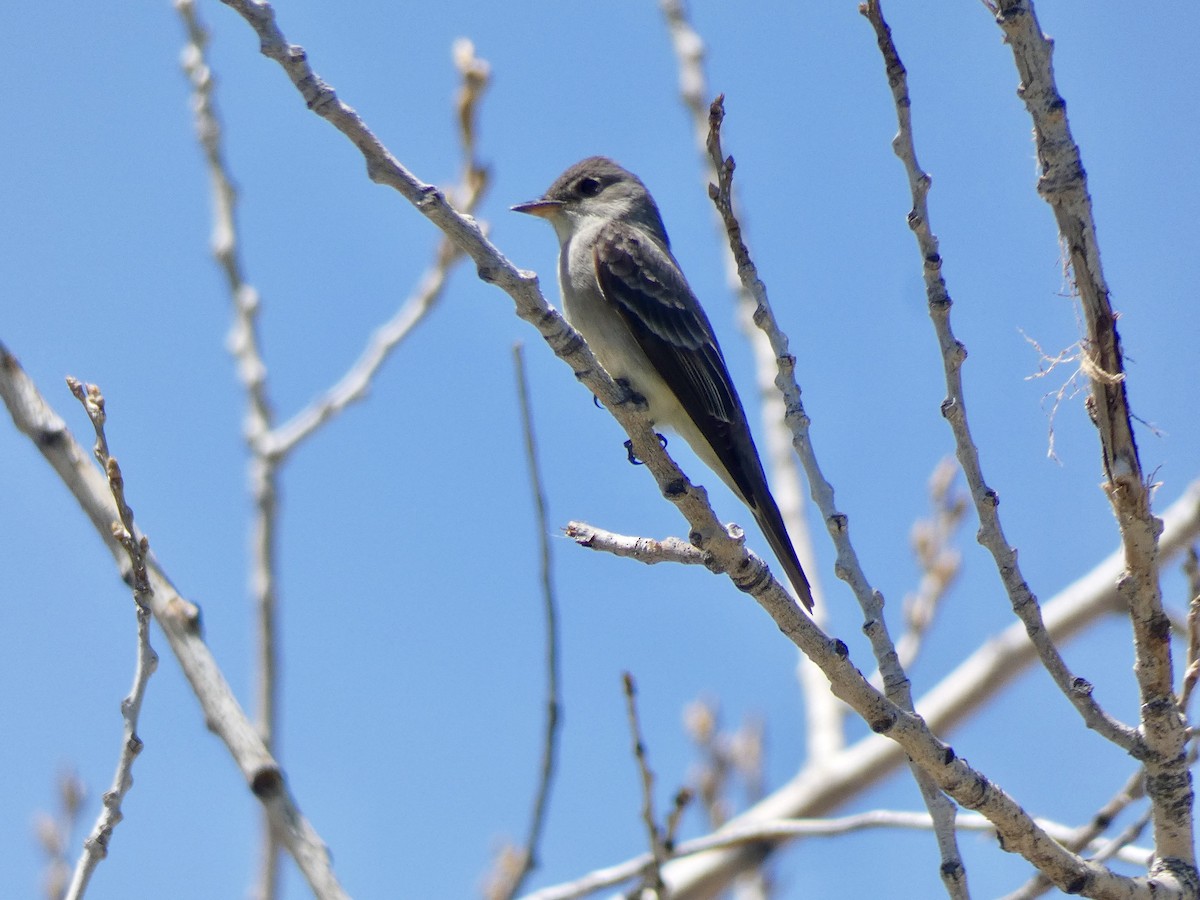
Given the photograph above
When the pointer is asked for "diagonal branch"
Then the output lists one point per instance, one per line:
(895, 680)
(95, 848)
(991, 534)
(1063, 184)
(825, 731)
(180, 622)
(999, 660)
(953, 775)
(355, 383)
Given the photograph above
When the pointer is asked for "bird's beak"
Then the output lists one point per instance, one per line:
(543, 209)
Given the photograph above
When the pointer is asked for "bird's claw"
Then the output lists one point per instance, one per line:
(629, 450)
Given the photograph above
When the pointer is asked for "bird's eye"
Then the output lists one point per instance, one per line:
(588, 187)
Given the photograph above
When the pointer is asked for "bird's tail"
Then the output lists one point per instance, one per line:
(769, 519)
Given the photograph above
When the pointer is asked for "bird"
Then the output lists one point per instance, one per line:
(624, 291)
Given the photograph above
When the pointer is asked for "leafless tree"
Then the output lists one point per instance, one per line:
(906, 729)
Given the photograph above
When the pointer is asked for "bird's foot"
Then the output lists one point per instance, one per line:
(629, 450)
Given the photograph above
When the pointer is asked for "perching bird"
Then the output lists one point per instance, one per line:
(625, 293)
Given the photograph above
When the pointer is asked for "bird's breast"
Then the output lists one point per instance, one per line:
(607, 333)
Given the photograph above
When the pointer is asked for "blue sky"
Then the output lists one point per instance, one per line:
(410, 624)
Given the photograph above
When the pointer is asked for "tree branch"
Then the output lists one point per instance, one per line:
(825, 732)
(180, 622)
(246, 347)
(644, 550)
(788, 829)
(991, 535)
(354, 385)
(939, 558)
(515, 865)
(821, 788)
(1063, 185)
(952, 774)
(95, 847)
(895, 681)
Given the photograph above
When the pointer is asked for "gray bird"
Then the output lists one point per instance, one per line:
(625, 293)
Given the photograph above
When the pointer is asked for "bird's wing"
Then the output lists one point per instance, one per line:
(642, 282)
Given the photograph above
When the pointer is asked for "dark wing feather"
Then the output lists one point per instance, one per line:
(640, 279)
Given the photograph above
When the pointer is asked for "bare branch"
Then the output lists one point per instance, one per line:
(895, 682)
(952, 774)
(517, 864)
(991, 535)
(660, 849)
(787, 829)
(246, 346)
(354, 385)
(689, 55)
(820, 789)
(939, 559)
(180, 622)
(645, 550)
(243, 341)
(1063, 185)
(825, 731)
(95, 847)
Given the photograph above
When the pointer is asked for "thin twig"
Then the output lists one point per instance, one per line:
(660, 851)
(246, 347)
(519, 863)
(895, 681)
(137, 549)
(825, 731)
(473, 184)
(1087, 835)
(643, 549)
(180, 622)
(785, 829)
(940, 560)
(54, 833)
(991, 535)
(1063, 185)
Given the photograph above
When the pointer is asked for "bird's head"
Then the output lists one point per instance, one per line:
(596, 189)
